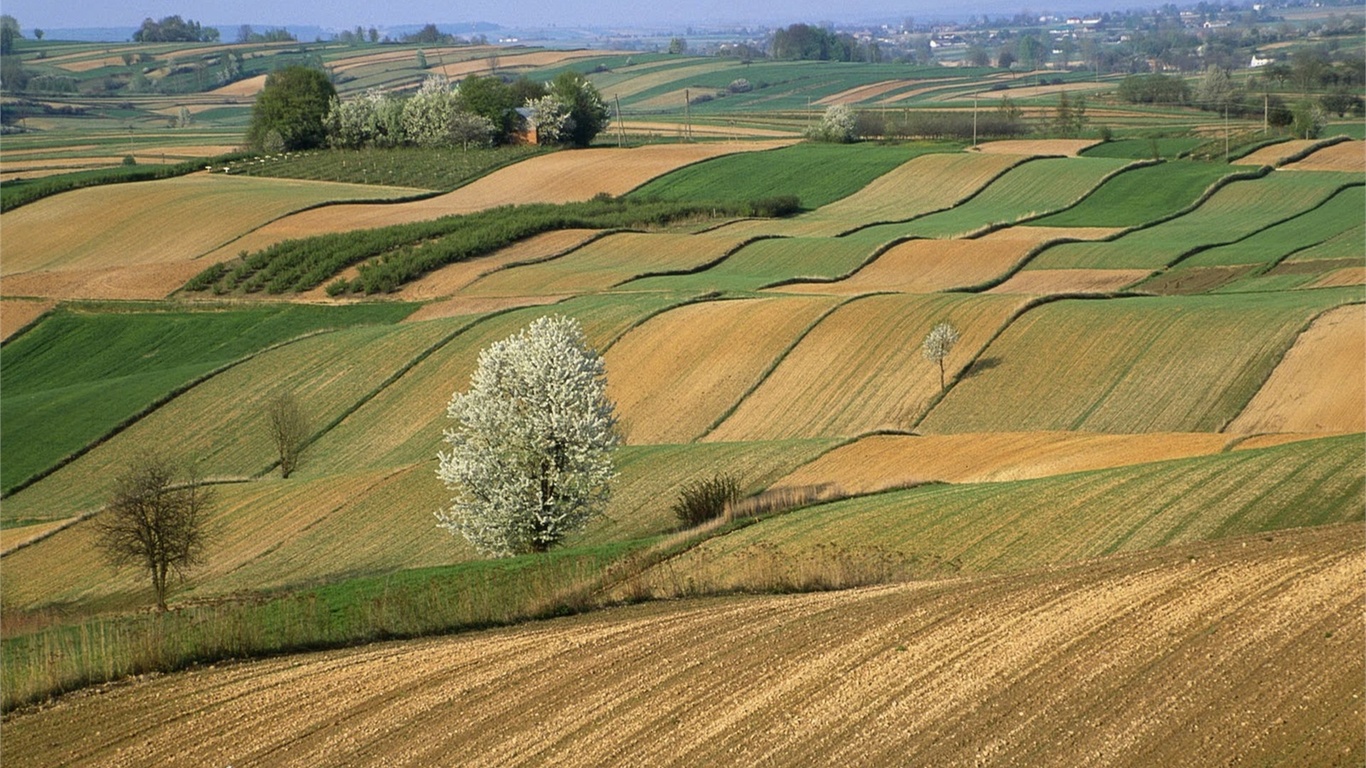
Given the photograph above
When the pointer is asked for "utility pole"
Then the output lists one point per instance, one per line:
(1226, 132)
(974, 119)
(687, 115)
(1266, 111)
(621, 129)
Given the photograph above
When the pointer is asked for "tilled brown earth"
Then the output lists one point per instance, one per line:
(1244, 651)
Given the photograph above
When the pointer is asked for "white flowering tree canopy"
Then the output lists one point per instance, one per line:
(530, 457)
(938, 344)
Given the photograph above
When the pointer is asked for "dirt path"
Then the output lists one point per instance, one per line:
(1245, 651)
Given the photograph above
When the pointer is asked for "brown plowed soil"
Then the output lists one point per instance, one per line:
(1276, 152)
(559, 177)
(888, 461)
(1239, 652)
(1048, 281)
(1346, 276)
(248, 87)
(17, 313)
(477, 305)
(531, 60)
(137, 281)
(1067, 147)
(1320, 385)
(873, 90)
(1347, 156)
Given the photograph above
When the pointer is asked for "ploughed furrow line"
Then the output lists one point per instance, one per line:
(1239, 651)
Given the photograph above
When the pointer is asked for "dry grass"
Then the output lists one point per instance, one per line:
(675, 375)
(1320, 385)
(1278, 152)
(1344, 276)
(1066, 147)
(1348, 156)
(891, 461)
(1042, 282)
(1043, 667)
(17, 313)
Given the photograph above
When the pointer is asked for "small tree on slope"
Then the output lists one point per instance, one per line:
(531, 450)
(937, 346)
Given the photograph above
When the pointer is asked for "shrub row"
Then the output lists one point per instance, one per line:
(391, 256)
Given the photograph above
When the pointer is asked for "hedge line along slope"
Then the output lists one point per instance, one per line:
(1161, 364)
(1010, 526)
(1232, 651)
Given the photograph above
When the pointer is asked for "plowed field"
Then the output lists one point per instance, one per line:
(1232, 651)
(887, 461)
(17, 313)
(1320, 385)
(558, 177)
(1042, 282)
(860, 369)
(1278, 152)
(674, 376)
(1069, 147)
(1349, 156)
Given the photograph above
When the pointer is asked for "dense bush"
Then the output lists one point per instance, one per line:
(707, 499)
(391, 256)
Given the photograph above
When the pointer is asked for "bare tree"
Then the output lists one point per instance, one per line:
(937, 346)
(288, 428)
(155, 523)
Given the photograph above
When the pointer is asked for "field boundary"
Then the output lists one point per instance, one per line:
(877, 253)
(777, 361)
(701, 267)
(1015, 268)
(151, 408)
(1311, 149)
(30, 325)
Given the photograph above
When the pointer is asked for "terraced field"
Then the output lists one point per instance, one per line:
(1347, 156)
(1187, 364)
(860, 369)
(767, 262)
(1185, 641)
(1139, 196)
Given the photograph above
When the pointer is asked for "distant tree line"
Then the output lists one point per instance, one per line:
(174, 29)
(245, 34)
(803, 42)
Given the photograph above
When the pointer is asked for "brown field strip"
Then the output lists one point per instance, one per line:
(409, 54)
(462, 69)
(1027, 92)
(675, 375)
(678, 129)
(860, 369)
(450, 279)
(127, 224)
(1344, 276)
(21, 536)
(1065, 147)
(1042, 282)
(607, 262)
(1239, 651)
(925, 266)
(136, 281)
(1320, 385)
(463, 306)
(17, 313)
(657, 77)
(888, 461)
(1347, 156)
(873, 90)
(242, 88)
(559, 177)
(1278, 152)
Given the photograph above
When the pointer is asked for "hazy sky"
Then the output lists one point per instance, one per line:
(59, 14)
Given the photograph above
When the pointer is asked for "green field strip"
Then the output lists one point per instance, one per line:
(1140, 195)
(1235, 211)
(76, 377)
(763, 262)
(1010, 526)
(1028, 190)
(1338, 214)
(1131, 365)
(219, 425)
(1139, 149)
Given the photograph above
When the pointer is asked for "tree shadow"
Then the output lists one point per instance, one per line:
(980, 366)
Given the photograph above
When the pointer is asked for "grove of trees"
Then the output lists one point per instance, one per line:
(290, 110)
(530, 457)
(174, 29)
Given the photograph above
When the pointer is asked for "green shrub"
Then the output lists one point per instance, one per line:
(703, 500)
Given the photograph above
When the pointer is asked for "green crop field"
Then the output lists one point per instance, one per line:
(1030, 189)
(1032, 523)
(769, 261)
(1341, 213)
(76, 375)
(435, 169)
(818, 174)
(1141, 149)
(1162, 364)
(1140, 195)
(1237, 210)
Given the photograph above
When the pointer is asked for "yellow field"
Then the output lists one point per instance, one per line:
(1320, 385)
(860, 369)
(1042, 282)
(888, 461)
(17, 313)
(157, 222)
(1339, 277)
(655, 77)
(672, 377)
(1065, 147)
(1276, 153)
(1139, 660)
(558, 177)
(1349, 156)
(531, 60)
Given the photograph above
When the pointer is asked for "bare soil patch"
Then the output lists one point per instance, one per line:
(1344, 276)
(135, 281)
(1349, 156)
(1196, 279)
(1239, 651)
(1048, 281)
(17, 313)
(1066, 147)
(1320, 385)
(559, 177)
(248, 87)
(890, 461)
(1276, 152)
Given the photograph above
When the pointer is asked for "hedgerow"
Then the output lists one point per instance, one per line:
(388, 257)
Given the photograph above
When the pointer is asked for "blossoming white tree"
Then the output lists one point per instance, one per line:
(530, 456)
(937, 346)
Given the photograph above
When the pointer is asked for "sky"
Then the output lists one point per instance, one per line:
(344, 14)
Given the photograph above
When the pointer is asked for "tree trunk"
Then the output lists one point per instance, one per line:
(941, 375)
